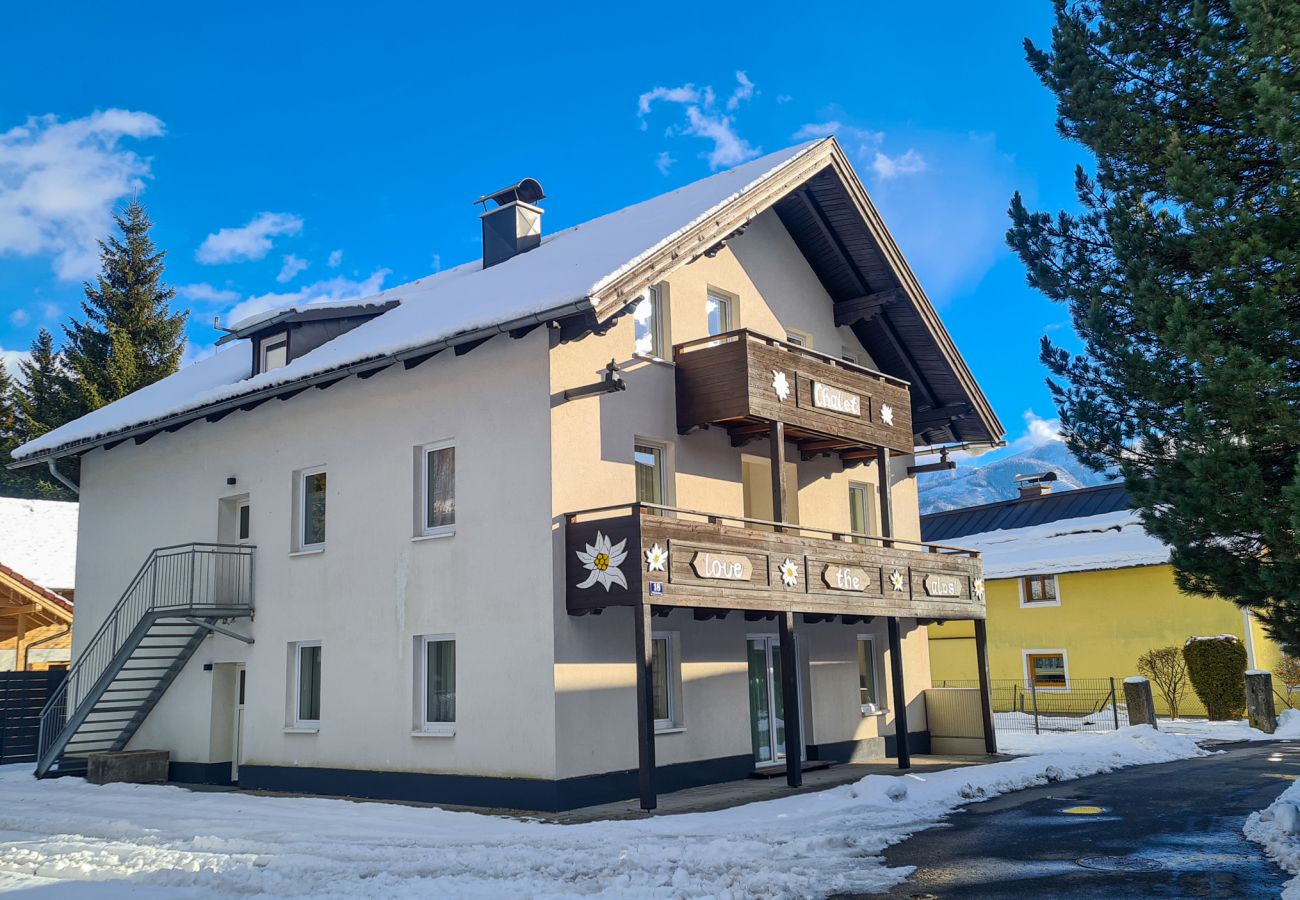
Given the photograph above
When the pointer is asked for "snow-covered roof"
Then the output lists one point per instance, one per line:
(1114, 540)
(38, 540)
(565, 271)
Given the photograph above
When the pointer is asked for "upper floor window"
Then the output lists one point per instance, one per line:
(862, 510)
(274, 353)
(798, 338)
(311, 492)
(438, 496)
(848, 356)
(718, 311)
(648, 460)
(1038, 589)
(648, 316)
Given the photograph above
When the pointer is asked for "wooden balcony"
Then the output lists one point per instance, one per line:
(665, 557)
(743, 381)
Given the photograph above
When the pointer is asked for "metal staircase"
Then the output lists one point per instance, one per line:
(177, 598)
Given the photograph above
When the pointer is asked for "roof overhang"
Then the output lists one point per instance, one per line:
(295, 315)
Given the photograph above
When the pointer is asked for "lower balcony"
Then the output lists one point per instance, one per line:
(665, 557)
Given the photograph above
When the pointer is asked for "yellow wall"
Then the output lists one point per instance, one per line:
(1105, 621)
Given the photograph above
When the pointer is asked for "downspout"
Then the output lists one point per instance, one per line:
(27, 651)
(62, 479)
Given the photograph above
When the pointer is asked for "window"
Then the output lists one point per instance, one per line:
(438, 496)
(1039, 589)
(848, 356)
(312, 510)
(648, 316)
(718, 311)
(306, 702)
(649, 463)
(798, 338)
(868, 682)
(862, 510)
(243, 524)
(666, 677)
(275, 352)
(438, 684)
(1046, 669)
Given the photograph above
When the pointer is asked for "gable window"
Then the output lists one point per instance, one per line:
(311, 512)
(798, 338)
(274, 352)
(437, 660)
(438, 494)
(648, 317)
(651, 477)
(868, 682)
(848, 356)
(666, 678)
(1039, 590)
(306, 684)
(718, 311)
(862, 510)
(1046, 669)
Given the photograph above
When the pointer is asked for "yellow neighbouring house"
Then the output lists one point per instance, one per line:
(1076, 590)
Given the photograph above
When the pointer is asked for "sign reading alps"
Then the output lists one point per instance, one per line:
(836, 400)
(942, 586)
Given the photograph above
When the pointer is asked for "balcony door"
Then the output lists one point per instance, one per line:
(756, 475)
(766, 703)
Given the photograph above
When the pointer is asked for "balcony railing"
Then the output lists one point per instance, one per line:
(647, 553)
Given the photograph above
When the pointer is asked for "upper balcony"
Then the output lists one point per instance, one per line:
(645, 553)
(743, 381)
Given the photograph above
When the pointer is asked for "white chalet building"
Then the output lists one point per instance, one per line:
(616, 510)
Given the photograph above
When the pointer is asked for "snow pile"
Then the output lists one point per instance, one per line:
(1111, 540)
(1288, 728)
(1275, 829)
(154, 841)
(38, 540)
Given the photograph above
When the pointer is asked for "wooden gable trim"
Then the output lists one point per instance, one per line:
(45, 602)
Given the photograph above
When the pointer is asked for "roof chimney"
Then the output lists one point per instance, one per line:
(1036, 484)
(514, 225)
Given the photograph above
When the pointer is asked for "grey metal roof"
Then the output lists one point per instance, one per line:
(949, 525)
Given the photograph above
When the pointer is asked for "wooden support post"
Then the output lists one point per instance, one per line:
(886, 496)
(776, 436)
(645, 705)
(18, 641)
(986, 692)
(790, 700)
(900, 695)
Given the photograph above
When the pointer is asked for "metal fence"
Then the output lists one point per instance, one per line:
(1082, 704)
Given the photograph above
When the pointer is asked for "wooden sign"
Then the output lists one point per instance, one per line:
(826, 397)
(846, 578)
(722, 566)
(942, 586)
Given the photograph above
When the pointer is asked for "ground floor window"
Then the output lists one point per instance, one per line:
(438, 683)
(666, 678)
(868, 680)
(306, 689)
(1046, 668)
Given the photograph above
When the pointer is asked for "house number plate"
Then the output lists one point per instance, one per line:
(942, 586)
(722, 566)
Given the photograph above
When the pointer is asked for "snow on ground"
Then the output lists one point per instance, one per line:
(1275, 829)
(1288, 727)
(147, 841)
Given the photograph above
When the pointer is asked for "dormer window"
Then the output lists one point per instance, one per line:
(274, 352)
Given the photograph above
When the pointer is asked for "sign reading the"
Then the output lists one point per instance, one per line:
(942, 586)
(826, 397)
(846, 578)
(722, 566)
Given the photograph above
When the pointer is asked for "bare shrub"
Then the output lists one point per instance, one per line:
(1167, 670)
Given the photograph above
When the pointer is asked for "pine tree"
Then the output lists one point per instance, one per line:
(129, 337)
(28, 482)
(40, 401)
(1181, 271)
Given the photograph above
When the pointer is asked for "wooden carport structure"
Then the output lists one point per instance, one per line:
(31, 616)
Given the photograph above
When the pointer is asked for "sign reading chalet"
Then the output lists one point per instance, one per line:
(836, 400)
(722, 566)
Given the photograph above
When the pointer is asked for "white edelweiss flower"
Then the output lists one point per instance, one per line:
(781, 385)
(789, 573)
(887, 414)
(602, 560)
(656, 559)
(897, 581)
(978, 588)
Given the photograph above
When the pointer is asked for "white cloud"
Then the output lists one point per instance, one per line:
(1038, 432)
(336, 259)
(329, 290)
(202, 292)
(857, 142)
(664, 162)
(11, 359)
(704, 121)
(887, 167)
(251, 241)
(783, 99)
(50, 311)
(60, 180)
(19, 317)
(291, 268)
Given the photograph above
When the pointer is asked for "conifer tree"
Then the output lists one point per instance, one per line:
(129, 336)
(40, 401)
(31, 483)
(1181, 271)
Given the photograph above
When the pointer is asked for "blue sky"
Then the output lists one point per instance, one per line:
(295, 151)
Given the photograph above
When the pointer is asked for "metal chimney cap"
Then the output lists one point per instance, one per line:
(1036, 478)
(527, 191)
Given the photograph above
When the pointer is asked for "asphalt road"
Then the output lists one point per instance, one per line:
(1175, 828)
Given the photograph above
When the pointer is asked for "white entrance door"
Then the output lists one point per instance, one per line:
(238, 750)
(766, 702)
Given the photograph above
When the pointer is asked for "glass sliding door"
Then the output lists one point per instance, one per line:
(766, 702)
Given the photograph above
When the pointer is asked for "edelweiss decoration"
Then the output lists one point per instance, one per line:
(656, 559)
(789, 573)
(977, 588)
(887, 414)
(781, 385)
(603, 560)
(897, 581)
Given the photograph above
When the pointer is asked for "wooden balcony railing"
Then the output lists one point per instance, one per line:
(636, 553)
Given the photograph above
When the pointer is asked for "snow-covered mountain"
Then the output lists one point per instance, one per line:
(971, 483)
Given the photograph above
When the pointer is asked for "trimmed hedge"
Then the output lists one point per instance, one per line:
(1217, 669)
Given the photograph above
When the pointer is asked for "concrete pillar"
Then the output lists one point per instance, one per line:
(1138, 699)
(1259, 701)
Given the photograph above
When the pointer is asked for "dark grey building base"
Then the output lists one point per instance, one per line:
(868, 749)
(507, 793)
